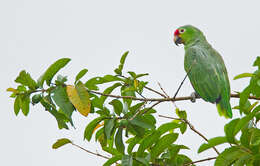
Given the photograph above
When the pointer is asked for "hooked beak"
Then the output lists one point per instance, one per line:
(177, 40)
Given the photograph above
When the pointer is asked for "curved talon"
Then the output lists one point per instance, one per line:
(193, 97)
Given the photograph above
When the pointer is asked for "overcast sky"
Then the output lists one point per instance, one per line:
(94, 34)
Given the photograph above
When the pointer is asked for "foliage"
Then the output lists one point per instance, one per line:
(127, 128)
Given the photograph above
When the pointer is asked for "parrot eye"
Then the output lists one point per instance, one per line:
(182, 30)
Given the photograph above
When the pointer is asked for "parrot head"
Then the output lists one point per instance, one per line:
(187, 34)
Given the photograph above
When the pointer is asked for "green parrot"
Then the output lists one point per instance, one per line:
(205, 68)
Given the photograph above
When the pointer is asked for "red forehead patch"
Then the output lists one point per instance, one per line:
(176, 33)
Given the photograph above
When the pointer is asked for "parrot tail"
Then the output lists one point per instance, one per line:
(224, 108)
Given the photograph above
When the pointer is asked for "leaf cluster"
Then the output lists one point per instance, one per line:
(128, 129)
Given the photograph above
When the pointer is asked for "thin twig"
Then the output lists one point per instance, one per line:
(181, 84)
(198, 161)
(167, 96)
(155, 91)
(97, 154)
(192, 128)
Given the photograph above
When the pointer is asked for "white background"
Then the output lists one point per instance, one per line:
(94, 34)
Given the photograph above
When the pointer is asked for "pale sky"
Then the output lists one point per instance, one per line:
(94, 34)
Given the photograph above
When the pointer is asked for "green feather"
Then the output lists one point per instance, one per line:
(206, 70)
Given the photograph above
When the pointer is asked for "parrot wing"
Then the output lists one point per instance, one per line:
(208, 74)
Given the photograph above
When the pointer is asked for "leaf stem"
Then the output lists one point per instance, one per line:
(97, 154)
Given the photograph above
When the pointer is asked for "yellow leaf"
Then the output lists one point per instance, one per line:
(12, 90)
(136, 83)
(79, 97)
(98, 126)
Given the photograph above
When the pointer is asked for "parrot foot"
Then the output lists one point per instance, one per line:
(194, 95)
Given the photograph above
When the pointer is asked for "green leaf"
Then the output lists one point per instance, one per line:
(147, 142)
(139, 121)
(255, 138)
(108, 91)
(119, 141)
(257, 62)
(109, 125)
(243, 160)
(245, 137)
(60, 117)
(168, 127)
(243, 75)
(141, 75)
(21, 88)
(17, 104)
(117, 105)
(181, 114)
(132, 74)
(127, 160)
(257, 117)
(230, 155)
(143, 161)
(61, 142)
(96, 103)
(25, 104)
(91, 83)
(123, 123)
(150, 119)
(245, 120)
(80, 75)
(25, 79)
(174, 150)
(230, 130)
(254, 84)
(182, 159)
(61, 80)
(99, 133)
(211, 143)
(111, 150)
(52, 70)
(136, 107)
(128, 91)
(183, 127)
(141, 85)
(162, 144)
(132, 144)
(111, 78)
(61, 99)
(244, 98)
(121, 65)
(136, 130)
(91, 126)
(113, 160)
(256, 160)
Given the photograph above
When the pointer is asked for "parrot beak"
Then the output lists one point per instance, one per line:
(177, 40)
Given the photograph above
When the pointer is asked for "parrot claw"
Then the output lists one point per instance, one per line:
(194, 95)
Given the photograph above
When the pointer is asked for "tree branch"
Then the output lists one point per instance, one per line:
(198, 161)
(162, 99)
(192, 128)
(97, 154)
